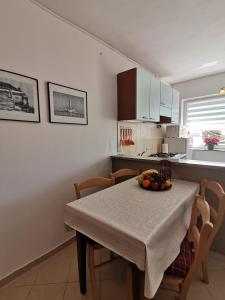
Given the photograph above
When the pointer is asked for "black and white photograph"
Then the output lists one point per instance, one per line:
(67, 105)
(19, 99)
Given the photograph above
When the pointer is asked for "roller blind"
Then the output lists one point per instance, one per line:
(209, 110)
(204, 114)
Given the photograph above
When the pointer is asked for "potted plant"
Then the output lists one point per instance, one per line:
(212, 138)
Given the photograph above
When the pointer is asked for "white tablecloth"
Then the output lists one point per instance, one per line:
(145, 227)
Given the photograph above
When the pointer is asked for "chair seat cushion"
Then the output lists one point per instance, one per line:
(184, 260)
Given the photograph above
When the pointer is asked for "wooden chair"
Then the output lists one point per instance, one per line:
(124, 174)
(201, 241)
(92, 245)
(179, 285)
(200, 235)
(216, 215)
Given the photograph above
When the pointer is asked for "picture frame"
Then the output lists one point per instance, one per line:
(67, 105)
(19, 97)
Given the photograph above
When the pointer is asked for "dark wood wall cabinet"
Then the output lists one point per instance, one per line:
(126, 95)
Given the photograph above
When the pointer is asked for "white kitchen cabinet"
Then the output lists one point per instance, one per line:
(165, 111)
(138, 96)
(170, 103)
(175, 107)
(143, 94)
(166, 95)
(154, 104)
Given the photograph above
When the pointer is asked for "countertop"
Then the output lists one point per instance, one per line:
(188, 162)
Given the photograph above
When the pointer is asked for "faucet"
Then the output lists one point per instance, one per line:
(141, 154)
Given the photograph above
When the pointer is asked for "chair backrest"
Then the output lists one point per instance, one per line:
(216, 214)
(125, 173)
(92, 182)
(199, 236)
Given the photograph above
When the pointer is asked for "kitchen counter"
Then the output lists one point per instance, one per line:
(190, 170)
(186, 162)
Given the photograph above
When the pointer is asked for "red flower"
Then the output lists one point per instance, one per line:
(212, 140)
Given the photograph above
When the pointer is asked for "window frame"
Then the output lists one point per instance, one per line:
(184, 115)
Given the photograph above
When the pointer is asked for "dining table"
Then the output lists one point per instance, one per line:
(145, 227)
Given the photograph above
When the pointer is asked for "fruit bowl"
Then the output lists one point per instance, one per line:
(154, 181)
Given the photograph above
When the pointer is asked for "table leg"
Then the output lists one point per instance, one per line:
(136, 282)
(81, 256)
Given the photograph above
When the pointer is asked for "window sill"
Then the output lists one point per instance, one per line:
(205, 149)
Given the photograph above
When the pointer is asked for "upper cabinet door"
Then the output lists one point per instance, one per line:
(143, 95)
(154, 114)
(175, 106)
(166, 95)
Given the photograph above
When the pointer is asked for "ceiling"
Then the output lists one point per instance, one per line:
(171, 38)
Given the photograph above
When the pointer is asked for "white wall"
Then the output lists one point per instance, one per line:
(201, 86)
(40, 162)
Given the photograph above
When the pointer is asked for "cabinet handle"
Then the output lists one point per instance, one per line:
(144, 117)
(162, 103)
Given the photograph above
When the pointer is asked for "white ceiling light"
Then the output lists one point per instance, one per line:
(222, 90)
(210, 64)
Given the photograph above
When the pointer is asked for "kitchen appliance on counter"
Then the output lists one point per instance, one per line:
(172, 131)
(176, 144)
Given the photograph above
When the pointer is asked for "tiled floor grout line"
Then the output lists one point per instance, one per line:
(209, 292)
(32, 286)
(64, 292)
(29, 293)
(67, 277)
(100, 290)
(62, 282)
(38, 272)
(50, 283)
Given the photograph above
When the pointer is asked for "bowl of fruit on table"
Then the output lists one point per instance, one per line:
(154, 181)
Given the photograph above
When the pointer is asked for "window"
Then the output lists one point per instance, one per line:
(204, 114)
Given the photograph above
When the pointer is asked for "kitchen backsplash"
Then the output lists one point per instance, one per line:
(135, 138)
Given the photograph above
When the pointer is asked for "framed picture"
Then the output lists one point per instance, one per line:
(19, 99)
(67, 105)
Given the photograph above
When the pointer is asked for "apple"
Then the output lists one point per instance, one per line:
(155, 186)
(146, 183)
(162, 186)
(147, 176)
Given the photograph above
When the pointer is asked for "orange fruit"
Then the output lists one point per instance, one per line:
(168, 183)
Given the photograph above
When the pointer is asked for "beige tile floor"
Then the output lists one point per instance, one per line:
(57, 279)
